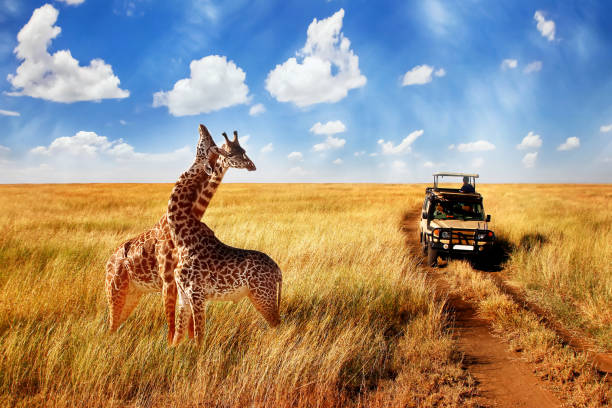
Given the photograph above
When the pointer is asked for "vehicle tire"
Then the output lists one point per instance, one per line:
(432, 256)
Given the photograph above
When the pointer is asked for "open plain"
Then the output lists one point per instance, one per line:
(362, 323)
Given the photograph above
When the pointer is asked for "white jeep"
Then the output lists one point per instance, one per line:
(452, 221)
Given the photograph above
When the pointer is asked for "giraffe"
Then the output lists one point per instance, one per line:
(146, 263)
(210, 270)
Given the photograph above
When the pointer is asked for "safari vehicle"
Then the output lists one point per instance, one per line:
(453, 222)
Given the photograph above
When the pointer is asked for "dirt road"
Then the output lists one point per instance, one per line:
(504, 380)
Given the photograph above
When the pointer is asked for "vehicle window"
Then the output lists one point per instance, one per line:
(457, 210)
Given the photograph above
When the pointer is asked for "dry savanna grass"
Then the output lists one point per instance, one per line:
(360, 326)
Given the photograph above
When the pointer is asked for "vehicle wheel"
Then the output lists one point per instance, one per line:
(432, 256)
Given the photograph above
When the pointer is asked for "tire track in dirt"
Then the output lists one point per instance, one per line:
(503, 379)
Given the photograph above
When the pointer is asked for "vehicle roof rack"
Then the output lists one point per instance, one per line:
(472, 177)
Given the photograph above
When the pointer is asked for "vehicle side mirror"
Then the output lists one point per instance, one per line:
(488, 217)
(424, 214)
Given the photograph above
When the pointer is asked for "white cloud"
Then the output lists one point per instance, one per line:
(531, 141)
(605, 128)
(89, 145)
(534, 66)
(360, 153)
(9, 113)
(477, 162)
(509, 63)
(297, 156)
(329, 128)
(530, 159)
(373, 154)
(419, 75)
(72, 2)
(123, 122)
(545, 27)
(4, 151)
(338, 161)
(404, 147)
(58, 77)
(214, 84)
(478, 146)
(440, 72)
(329, 144)
(570, 143)
(267, 148)
(312, 80)
(451, 146)
(257, 109)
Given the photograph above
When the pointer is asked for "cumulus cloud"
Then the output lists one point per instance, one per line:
(570, 144)
(530, 159)
(9, 113)
(313, 79)
(440, 72)
(297, 156)
(534, 66)
(329, 128)
(338, 161)
(545, 27)
(531, 141)
(419, 75)
(72, 2)
(451, 146)
(478, 146)
(89, 145)
(267, 148)
(58, 77)
(214, 84)
(605, 128)
(330, 143)
(359, 153)
(257, 109)
(509, 63)
(405, 145)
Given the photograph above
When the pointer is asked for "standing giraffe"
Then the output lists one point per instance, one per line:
(146, 263)
(210, 270)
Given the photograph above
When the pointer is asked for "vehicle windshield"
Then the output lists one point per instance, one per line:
(458, 210)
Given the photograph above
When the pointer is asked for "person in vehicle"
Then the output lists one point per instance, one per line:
(467, 187)
(439, 212)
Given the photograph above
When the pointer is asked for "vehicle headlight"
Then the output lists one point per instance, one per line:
(486, 235)
(445, 234)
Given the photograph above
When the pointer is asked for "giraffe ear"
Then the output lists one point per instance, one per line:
(218, 151)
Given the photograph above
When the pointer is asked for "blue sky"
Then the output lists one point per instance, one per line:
(319, 91)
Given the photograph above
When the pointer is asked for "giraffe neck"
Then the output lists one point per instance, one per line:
(208, 189)
(184, 194)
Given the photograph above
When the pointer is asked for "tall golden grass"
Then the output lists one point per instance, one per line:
(559, 237)
(360, 326)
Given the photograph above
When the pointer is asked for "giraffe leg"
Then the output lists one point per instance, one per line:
(265, 299)
(117, 285)
(184, 315)
(131, 301)
(198, 312)
(169, 294)
(191, 329)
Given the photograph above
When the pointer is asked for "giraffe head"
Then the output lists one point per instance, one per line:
(234, 155)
